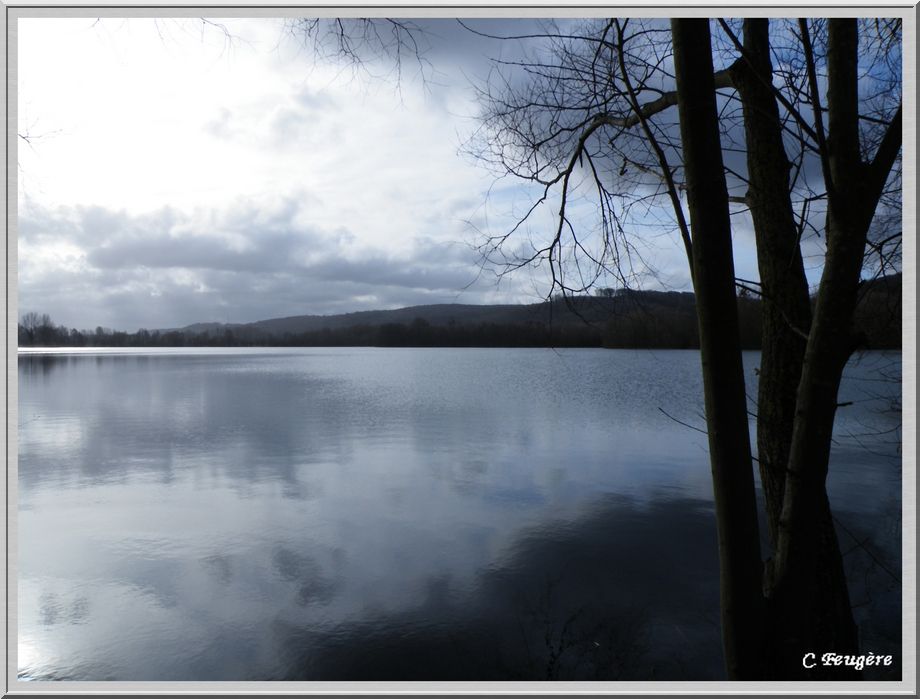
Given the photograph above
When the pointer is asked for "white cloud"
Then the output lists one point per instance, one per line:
(254, 178)
(255, 260)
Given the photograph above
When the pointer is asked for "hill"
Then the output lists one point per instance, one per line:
(591, 309)
(620, 319)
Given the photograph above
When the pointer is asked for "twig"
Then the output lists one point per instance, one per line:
(685, 424)
(527, 646)
(868, 552)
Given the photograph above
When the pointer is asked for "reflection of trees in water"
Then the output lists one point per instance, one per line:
(871, 555)
(871, 544)
(591, 642)
(699, 657)
(539, 640)
(619, 593)
(625, 592)
(877, 388)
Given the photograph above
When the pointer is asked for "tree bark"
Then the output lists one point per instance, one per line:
(741, 569)
(785, 302)
(786, 320)
(831, 341)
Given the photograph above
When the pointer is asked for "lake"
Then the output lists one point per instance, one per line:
(400, 514)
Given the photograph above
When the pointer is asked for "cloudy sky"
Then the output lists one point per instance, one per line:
(173, 176)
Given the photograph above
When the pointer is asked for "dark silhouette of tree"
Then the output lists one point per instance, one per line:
(35, 329)
(378, 48)
(741, 574)
(593, 110)
(605, 110)
(28, 327)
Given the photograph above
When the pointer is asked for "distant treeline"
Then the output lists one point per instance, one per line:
(660, 327)
(419, 333)
(634, 320)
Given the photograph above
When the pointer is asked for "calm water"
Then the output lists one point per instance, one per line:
(362, 514)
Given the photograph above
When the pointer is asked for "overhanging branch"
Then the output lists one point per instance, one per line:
(668, 99)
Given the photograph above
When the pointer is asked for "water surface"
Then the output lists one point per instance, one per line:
(370, 514)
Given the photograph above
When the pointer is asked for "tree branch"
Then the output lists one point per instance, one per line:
(816, 106)
(662, 159)
(723, 79)
(878, 170)
(779, 95)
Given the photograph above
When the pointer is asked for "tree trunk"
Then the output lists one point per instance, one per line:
(830, 344)
(742, 602)
(786, 306)
(786, 321)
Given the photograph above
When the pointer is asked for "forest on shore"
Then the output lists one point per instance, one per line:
(615, 320)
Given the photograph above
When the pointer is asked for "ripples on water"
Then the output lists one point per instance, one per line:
(370, 514)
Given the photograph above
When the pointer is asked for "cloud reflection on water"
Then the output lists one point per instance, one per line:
(341, 515)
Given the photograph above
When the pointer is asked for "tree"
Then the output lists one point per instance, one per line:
(363, 43)
(573, 120)
(599, 112)
(30, 324)
(37, 329)
(854, 188)
(713, 275)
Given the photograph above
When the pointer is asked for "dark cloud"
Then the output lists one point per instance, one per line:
(247, 239)
(169, 269)
(255, 259)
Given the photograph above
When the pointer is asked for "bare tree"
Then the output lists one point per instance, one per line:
(377, 48)
(30, 324)
(35, 328)
(594, 108)
(743, 618)
(854, 187)
(594, 113)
